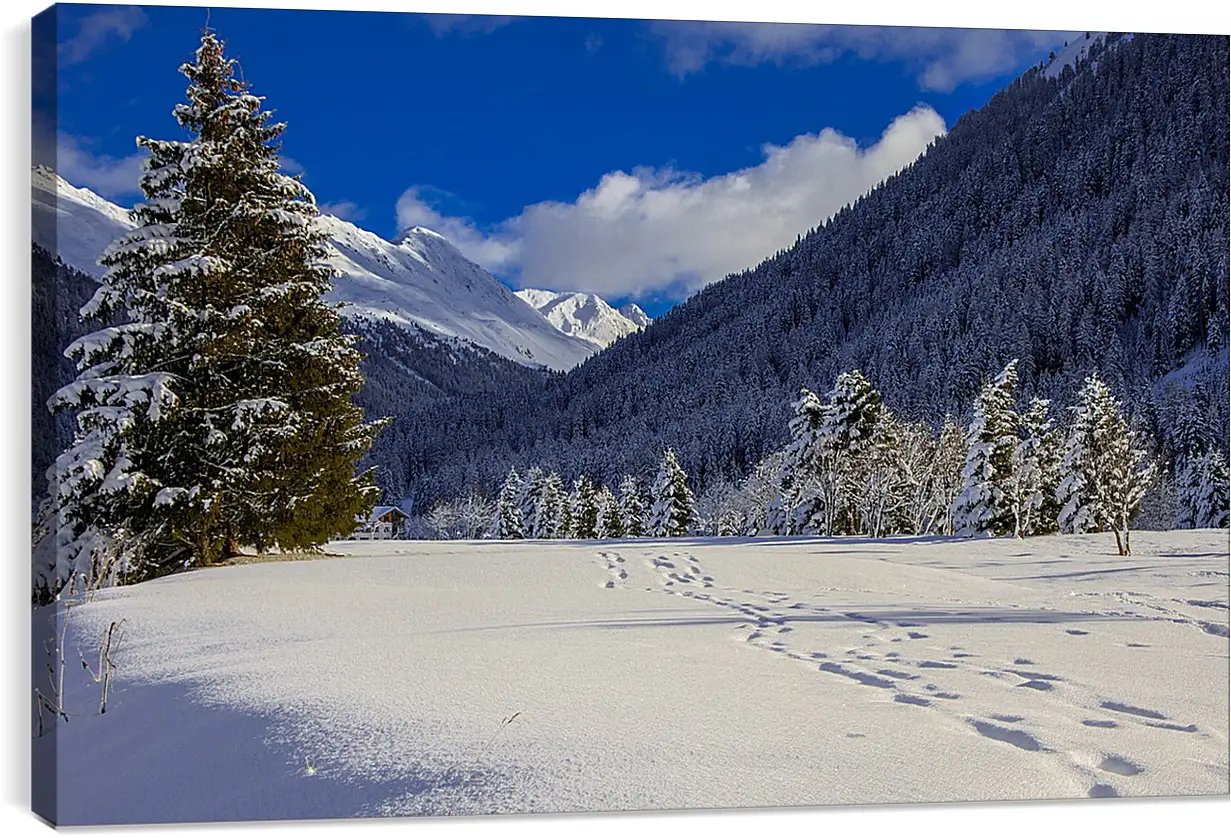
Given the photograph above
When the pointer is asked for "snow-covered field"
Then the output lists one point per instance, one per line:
(462, 677)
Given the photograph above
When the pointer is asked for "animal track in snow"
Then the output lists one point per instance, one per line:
(1016, 738)
(1119, 765)
(1132, 711)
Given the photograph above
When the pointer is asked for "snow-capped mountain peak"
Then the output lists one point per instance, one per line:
(633, 312)
(421, 279)
(586, 315)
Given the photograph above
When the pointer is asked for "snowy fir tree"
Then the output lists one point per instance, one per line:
(509, 522)
(982, 506)
(556, 512)
(583, 509)
(828, 459)
(217, 410)
(532, 486)
(610, 522)
(1201, 482)
(1105, 474)
(1030, 489)
(632, 508)
(674, 512)
(847, 445)
(797, 501)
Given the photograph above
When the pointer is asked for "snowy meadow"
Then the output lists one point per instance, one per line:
(476, 677)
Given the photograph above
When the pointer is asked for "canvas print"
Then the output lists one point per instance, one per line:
(459, 415)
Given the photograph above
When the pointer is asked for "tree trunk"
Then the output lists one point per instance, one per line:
(202, 548)
(1120, 549)
(230, 547)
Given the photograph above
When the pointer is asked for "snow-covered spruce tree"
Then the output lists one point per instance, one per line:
(1201, 480)
(217, 410)
(1104, 467)
(509, 523)
(556, 515)
(1212, 500)
(674, 512)
(632, 508)
(847, 448)
(610, 523)
(982, 506)
(528, 501)
(583, 509)
(1030, 489)
(1200, 470)
(797, 500)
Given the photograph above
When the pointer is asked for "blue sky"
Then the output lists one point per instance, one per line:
(637, 159)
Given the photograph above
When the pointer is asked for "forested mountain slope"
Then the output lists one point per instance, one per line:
(1078, 223)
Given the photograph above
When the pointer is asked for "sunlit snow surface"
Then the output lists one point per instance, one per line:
(464, 677)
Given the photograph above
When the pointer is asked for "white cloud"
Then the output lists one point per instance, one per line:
(941, 59)
(345, 210)
(111, 177)
(654, 230)
(97, 29)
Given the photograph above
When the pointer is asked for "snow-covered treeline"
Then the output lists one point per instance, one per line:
(852, 467)
(539, 505)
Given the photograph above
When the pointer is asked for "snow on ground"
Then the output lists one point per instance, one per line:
(463, 677)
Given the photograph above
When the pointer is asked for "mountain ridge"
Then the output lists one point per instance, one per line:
(421, 279)
(586, 315)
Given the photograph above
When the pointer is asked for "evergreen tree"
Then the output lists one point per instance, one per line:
(509, 523)
(982, 506)
(557, 516)
(610, 523)
(1202, 488)
(851, 439)
(1030, 489)
(217, 410)
(1104, 466)
(1212, 501)
(532, 487)
(797, 502)
(632, 508)
(583, 509)
(674, 512)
